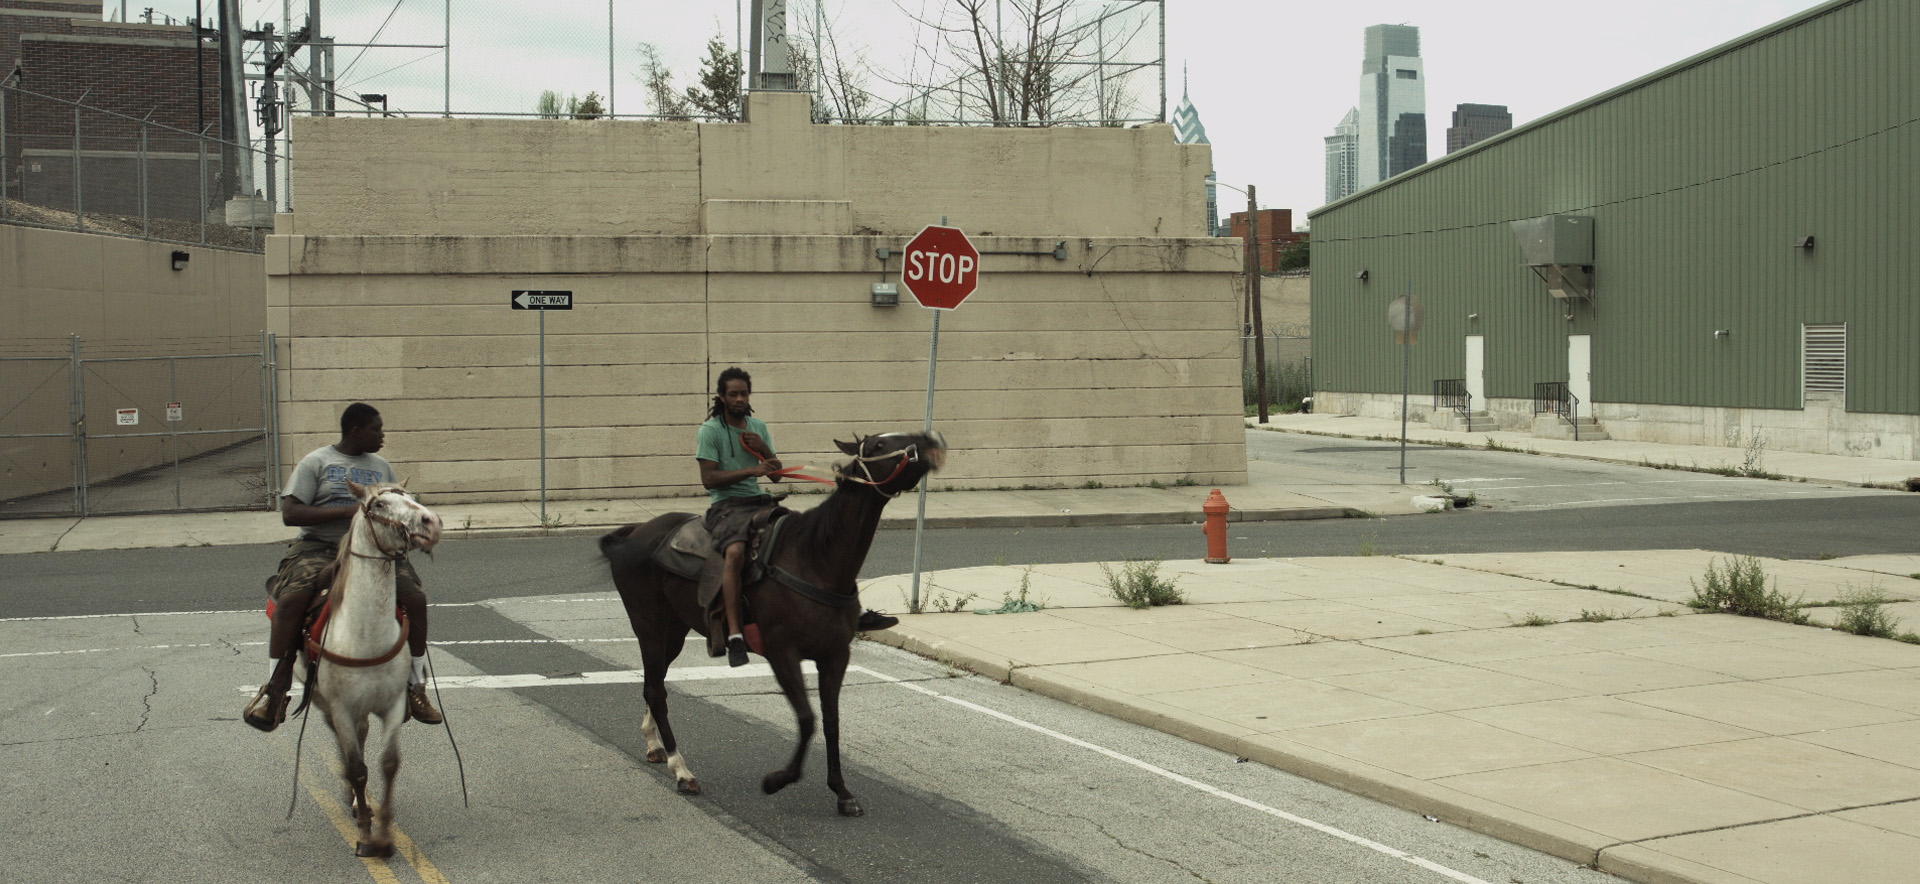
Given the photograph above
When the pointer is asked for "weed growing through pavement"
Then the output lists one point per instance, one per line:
(938, 599)
(1861, 613)
(1423, 632)
(1532, 619)
(1139, 584)
(1603, 615)
(1741, 588)
(1012, 603)
(1371, 545)
(1446, 490)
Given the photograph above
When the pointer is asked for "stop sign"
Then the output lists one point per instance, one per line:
(941, 268)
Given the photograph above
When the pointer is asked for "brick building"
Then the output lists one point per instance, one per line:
(1274, 235)
(124, 73)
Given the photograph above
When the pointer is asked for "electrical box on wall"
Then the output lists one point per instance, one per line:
(886, 294)
(1559, 250)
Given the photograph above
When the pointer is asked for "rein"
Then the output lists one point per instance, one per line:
(911, 454)
(316, 650)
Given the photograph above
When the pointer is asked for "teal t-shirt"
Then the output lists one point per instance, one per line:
(720, 442)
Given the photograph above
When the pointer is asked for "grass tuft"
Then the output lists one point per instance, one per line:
(1742, 588)
(1139, 584)
(1862, 613)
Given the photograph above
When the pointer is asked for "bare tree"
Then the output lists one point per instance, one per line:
(840, 78)
(1023, 62)
(657, 81)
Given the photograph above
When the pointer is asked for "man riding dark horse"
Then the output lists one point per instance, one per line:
(734, 449)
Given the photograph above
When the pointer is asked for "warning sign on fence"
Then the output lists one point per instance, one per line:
(127, 417)
(174, 412)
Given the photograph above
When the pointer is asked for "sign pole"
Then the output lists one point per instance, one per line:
(542, 301)
(920, 520)
(543, 417)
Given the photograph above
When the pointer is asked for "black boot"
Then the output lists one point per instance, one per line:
(269, 706)
(872, 620)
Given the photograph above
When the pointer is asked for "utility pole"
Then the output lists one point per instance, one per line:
(1253, 296)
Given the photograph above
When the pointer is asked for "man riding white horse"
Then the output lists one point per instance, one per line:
(320, 503)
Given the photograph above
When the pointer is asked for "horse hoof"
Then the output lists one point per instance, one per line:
(656, 756)
(374, 851)
(851, 807)
(776, 781)
(689, 786)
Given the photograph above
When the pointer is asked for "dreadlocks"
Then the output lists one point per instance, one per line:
(733, 373)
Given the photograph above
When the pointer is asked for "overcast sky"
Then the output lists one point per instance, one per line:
(1270, 78)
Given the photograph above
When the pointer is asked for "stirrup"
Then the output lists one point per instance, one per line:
(267, 709)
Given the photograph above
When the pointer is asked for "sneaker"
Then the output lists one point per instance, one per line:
(268, 708)
(872, 620)
(418, 708)
(736, 651)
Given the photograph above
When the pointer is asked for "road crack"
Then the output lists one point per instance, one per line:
(146, 702)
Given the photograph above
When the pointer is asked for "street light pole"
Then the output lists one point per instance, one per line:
(1253, 295)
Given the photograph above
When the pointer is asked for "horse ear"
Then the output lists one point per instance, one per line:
(403, 483)
(850, 449)
(359, 490)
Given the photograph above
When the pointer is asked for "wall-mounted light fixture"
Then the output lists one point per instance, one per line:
(885, 294)
(1805, 242)
(1473, 317)
(1362, 276)
(1722, 333)
(180, 260)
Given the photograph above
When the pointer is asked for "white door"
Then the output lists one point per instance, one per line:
(1477, 371)
(1580, 370)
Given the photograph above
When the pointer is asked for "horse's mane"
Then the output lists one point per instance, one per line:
(814, 527)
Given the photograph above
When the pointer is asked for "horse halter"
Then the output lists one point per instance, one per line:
(907, 455)
(366, 509)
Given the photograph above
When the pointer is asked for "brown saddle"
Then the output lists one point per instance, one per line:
(688, 552)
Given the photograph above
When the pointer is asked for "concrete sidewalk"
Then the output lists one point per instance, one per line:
(1623, 730)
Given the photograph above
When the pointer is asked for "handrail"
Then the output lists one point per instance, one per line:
(1452, 393)
(1555, 397)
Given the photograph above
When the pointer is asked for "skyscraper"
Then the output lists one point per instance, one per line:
(1393, 104)
(1474, 123)
(1343, 157)
(1188, 130)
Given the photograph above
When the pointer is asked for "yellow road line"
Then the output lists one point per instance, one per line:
(403, 845)
(349, 830)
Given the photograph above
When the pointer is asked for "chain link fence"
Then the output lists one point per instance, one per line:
(93, 433)
(1289, 369)
(71, 166)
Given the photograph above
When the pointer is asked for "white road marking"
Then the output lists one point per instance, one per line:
(1215, 791)
(262, 611)
(605, 677)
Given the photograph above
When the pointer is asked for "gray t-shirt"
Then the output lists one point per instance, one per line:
(321, 480)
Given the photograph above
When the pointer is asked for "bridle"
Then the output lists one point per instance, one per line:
(316, 650)
(366, 509)
(907, 455)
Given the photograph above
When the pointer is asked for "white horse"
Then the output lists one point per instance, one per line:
(359, 643)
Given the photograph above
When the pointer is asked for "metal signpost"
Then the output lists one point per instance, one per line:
(1405, 316)
(543, 301)
(941, 268)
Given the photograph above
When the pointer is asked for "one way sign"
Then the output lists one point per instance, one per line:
(524, 300)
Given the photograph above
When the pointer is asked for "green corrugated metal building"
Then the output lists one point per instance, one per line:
(1754, 266)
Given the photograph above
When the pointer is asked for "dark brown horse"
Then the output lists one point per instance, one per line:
(822, 550)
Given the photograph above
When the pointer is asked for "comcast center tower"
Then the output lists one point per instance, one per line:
(1393, 104)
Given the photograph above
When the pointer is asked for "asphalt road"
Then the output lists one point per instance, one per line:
(122, 718)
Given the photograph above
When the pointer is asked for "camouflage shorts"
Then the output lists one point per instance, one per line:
(305, 559)
(730, 521)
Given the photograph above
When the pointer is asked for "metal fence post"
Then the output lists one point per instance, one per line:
(79, 422)
(146, 217)
(173, 432)
(5, 210)
(201, 142)
(270, 394)
(78, 221)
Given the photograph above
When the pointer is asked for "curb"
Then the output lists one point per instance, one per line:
(1591, 849)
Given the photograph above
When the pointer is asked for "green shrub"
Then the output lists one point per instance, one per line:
(1861, 613)
(1741, 588)
(1139, 584)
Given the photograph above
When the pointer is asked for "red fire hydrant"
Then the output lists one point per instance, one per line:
(1216, 529)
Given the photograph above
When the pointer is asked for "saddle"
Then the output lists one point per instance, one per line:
(688, 552)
